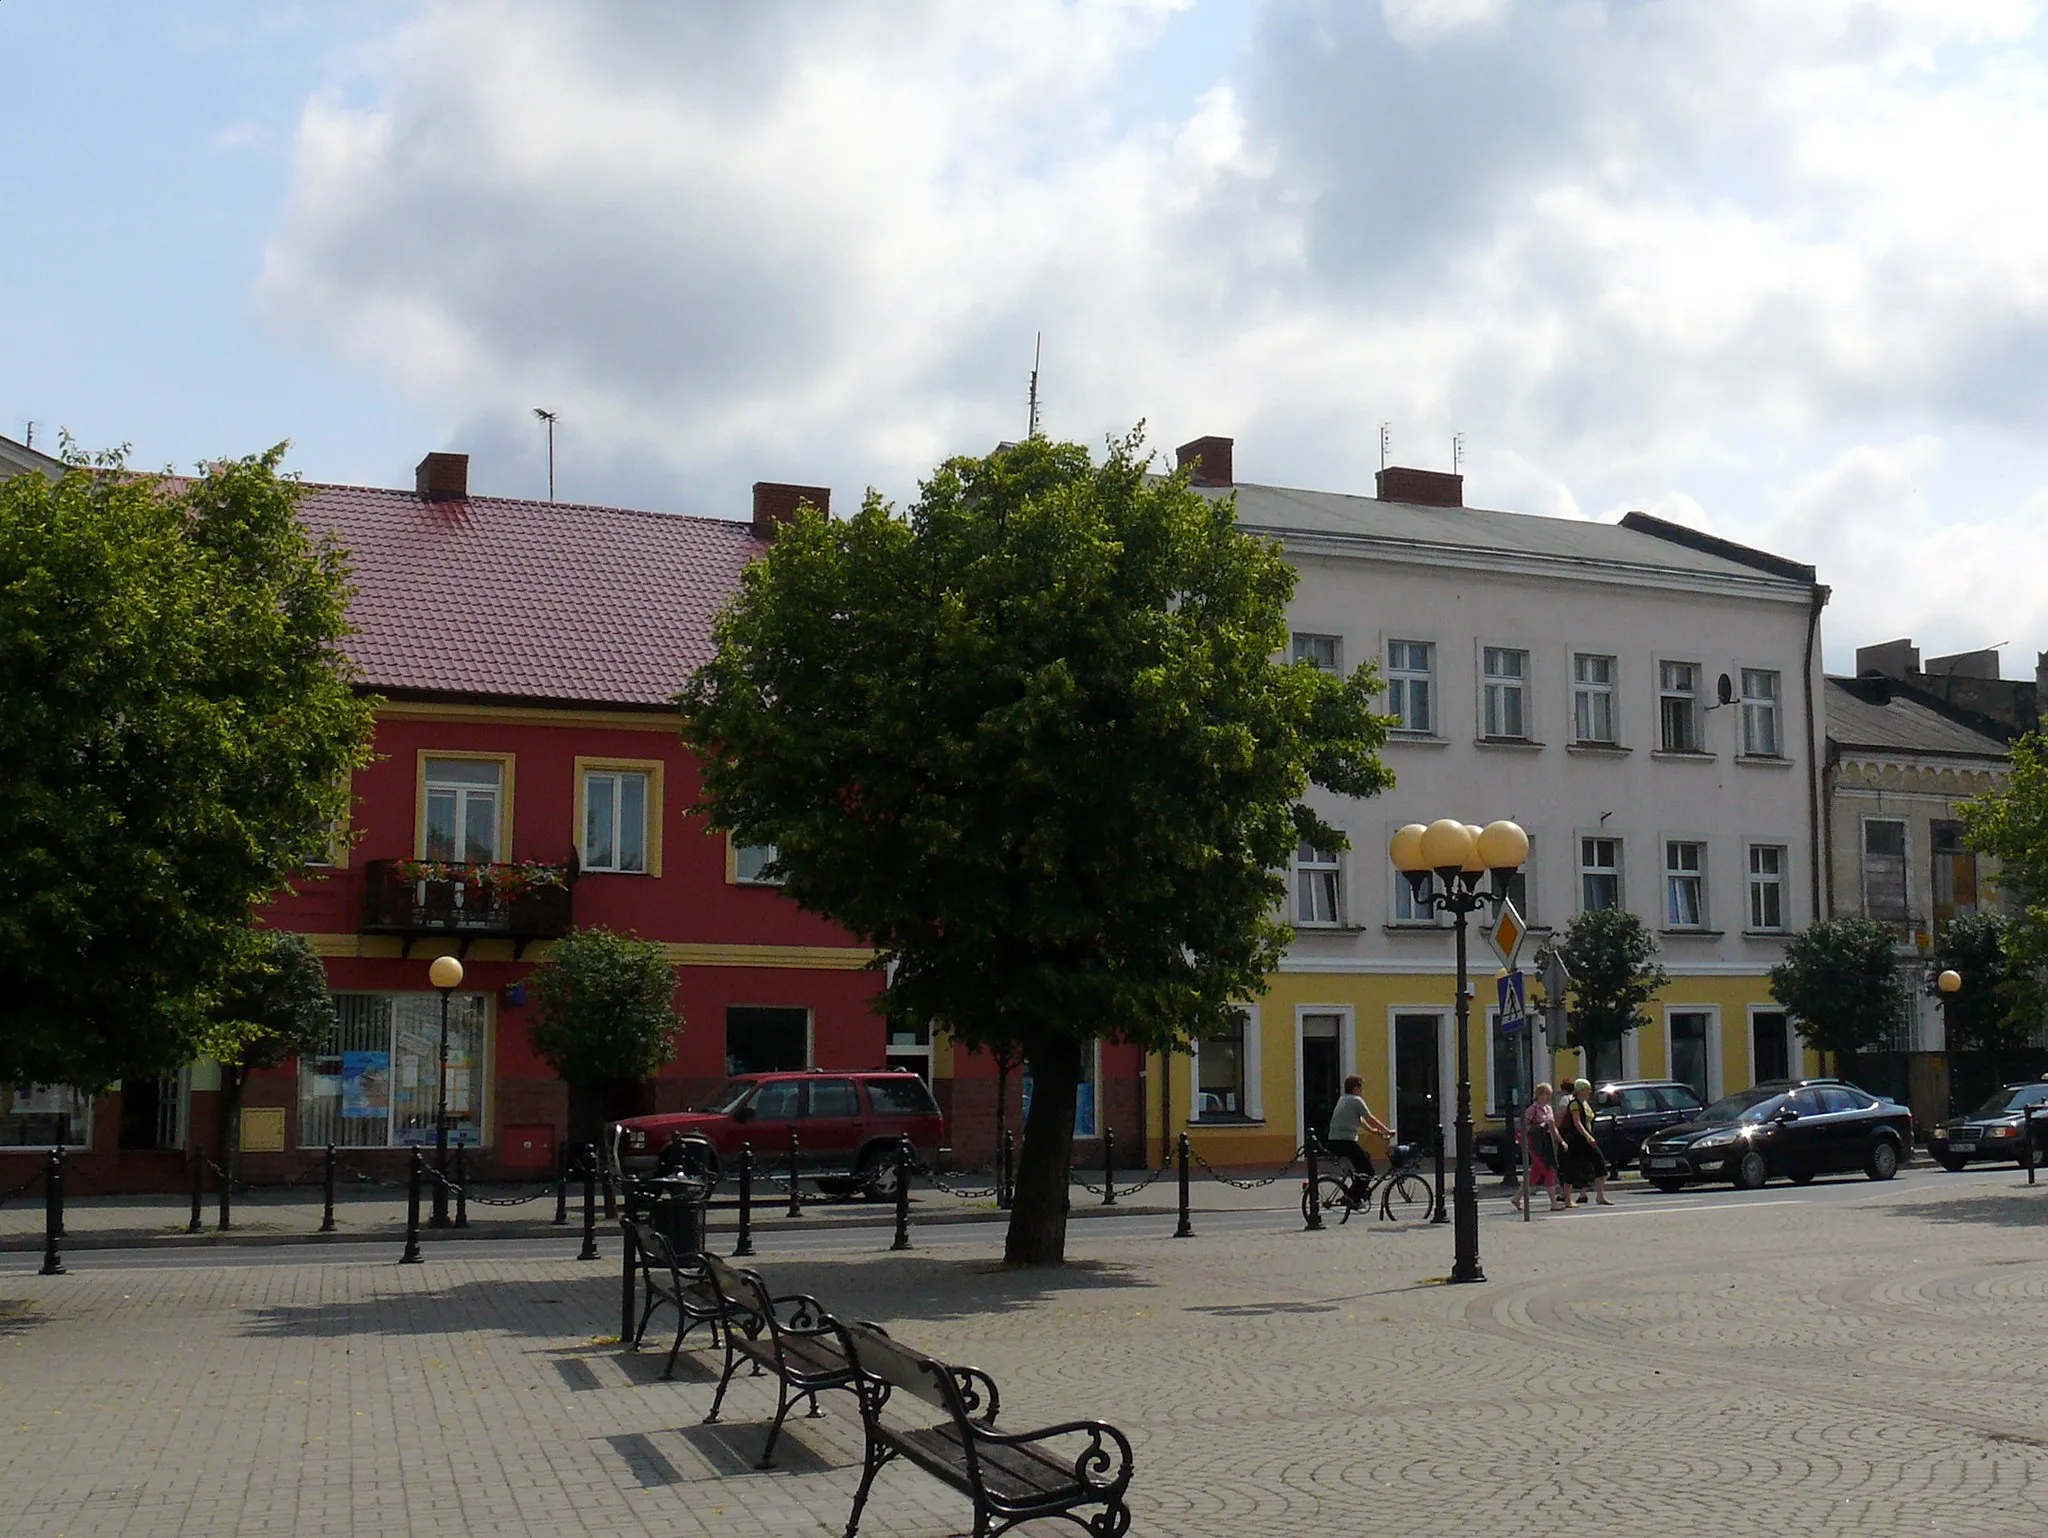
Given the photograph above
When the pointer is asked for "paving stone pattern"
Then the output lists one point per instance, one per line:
(1871, 1366)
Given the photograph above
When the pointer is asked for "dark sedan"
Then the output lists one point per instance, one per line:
(1995, 1129)
(1625, 1112)
(1795, 1130)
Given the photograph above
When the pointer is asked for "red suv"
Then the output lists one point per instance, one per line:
(844, 1122)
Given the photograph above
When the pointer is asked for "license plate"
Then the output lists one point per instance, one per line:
(1667, 1164)
(1962, 1148)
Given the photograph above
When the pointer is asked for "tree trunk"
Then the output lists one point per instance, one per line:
(1038, 1220)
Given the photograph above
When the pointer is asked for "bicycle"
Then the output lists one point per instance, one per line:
(1404, 1192)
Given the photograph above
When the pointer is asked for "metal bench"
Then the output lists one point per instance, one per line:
(1011, 1478)
(679, 1281)
(791, 1336)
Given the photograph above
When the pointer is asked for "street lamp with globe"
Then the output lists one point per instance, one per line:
(445, 973)
(1443, 863)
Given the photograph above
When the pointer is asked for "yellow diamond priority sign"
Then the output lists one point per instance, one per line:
(1508, 930)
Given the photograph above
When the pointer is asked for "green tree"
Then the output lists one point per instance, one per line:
(272, 1006)
(2011, 823)
(176, 720)
(1996, 1009)
(1031, 741)
(1611, 957)
(1840, 979)
(604, 1017)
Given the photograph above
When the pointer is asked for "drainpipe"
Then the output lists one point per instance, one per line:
(1822, 854)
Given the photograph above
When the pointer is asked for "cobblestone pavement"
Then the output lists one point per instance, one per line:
(1868, 1361)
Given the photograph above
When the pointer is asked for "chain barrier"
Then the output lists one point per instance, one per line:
(32, 1179)
(1165, 1164)
(1250, 1185)
(465, 1194)
(965, 1193)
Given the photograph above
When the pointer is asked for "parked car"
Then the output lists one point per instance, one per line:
(1994, 1130)
(848, 1122)
(1794, 1128)
(1625, 1112)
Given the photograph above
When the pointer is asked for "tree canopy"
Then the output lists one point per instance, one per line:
(1840, 980)
(176, 723)
(2011, 823)
(604, 1008)
(1036, 741)
(1997, 1008)
(271, 1006)
(1611, 957)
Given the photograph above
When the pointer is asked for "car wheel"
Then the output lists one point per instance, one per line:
(1668, 1186)
(1883, 1160)
(877, 1174)
(1751, 1171)
(1952, 1164)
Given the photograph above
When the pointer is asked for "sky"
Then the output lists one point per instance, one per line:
(1774, 268)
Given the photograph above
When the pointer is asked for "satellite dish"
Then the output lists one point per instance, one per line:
(1724, 690)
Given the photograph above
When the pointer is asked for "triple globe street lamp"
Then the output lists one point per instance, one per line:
(1444, 863)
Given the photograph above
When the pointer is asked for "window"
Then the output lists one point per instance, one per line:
(45, 1116)
(1599, 874)
(835, 1098)
(1685, 885)
(377, 1082)
(1518, 885)
(900, 1096)
(1692, 1033)
(767, 1040)
(778, 1100)
(1884, 870)
(1671, 1097)
(463, 797)
(1593, 699)
(1508, 1053)
(1955, 873)
(1607, 1060)
(1225, 1071)
(1835, 1098)
(1318, 887)
(615, 820)
(750, 864)
(1406, 909)
(1319, 650)
(1766, 886)
(1504, 676)
(910, 1048)
(1760, 713)
(1678, 699)
(1409, 666)
(1771, 1052)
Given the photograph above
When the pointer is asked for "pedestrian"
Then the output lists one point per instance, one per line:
(1539, 1137)
(1582, 1164)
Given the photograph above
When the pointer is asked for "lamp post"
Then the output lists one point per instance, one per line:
(446, 975)
(1443, 863)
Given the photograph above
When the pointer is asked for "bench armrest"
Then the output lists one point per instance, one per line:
(978, 1392)
(1103, 1466)
(807, 1316)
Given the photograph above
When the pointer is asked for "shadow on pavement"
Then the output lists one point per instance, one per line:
(929, 1288)
(2016, 1209)
(546, 1307)
(18, 1317)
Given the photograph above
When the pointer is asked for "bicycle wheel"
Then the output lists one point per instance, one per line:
(1407, 1198)
(1328, 1194)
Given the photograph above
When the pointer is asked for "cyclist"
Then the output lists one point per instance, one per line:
(1351, 1115)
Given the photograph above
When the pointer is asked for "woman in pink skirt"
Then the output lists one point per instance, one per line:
(1539, 1137)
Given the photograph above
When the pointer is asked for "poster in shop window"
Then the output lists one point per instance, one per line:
(365, 1086)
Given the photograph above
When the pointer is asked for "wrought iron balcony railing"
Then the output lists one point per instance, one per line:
(414, 898)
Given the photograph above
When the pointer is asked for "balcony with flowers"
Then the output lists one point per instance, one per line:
(518, 901)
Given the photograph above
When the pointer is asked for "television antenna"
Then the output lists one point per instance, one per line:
(549, 418)
(1457, 453)
(1386, 442)
(1037, 348)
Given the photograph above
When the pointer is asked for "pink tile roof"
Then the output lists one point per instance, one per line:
(493, 598)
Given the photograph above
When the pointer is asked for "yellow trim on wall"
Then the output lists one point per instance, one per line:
(509, 760)
(652, 768)
(533, 715)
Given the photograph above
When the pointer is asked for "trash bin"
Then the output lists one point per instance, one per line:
(673, 1202)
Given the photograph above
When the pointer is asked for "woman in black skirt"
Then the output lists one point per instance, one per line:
(1582, 1163)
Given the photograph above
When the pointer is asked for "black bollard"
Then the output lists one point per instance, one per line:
(745, 1245)
(611, 1189)
(1314, 1222)
(411, 1257)
(461, 1186)
(1187, 1227)
(589, 1251)
(561, 1189)
(1006, 1191)
(227, 1192)
(628, 1247)
(1514, 1174)
(53, 1213)
(796, 1206)
(2027, 1127)
(327, 1185)
(1443, 1213)
(903, 1162)
(1108, 1165)
(198, 1186)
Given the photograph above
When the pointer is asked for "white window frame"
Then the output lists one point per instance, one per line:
(1753, 882)
(1691, 696)
(1254, 1112)
(1674, 872)
(742, 856)
(1583, 870)
(615, 778)
(1497, 689)
(1715, 1046)
(1347, 1056)
(1762, 707)
(1586, 689)
(463, 790)
(1399, 682)
(1300, 652)
(1326, 867)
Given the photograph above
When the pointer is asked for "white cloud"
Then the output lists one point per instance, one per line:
(1749, 264)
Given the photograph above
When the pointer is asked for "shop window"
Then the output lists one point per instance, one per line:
(45, 1116)
(377, 1083)
(1226, 1071)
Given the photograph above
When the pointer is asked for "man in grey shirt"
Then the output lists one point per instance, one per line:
(1348, 1119)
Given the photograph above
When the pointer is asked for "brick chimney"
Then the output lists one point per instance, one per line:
(1422, 488)
(776, 503)
(1207, 460)
(1888, 659)
(442, 477)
